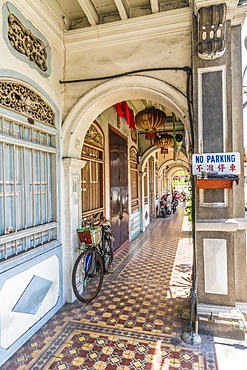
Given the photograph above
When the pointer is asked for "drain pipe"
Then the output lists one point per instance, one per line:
(190, 336)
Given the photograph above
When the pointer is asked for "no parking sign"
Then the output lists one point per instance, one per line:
(221, 163)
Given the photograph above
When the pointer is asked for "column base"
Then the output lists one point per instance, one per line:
(221, 321)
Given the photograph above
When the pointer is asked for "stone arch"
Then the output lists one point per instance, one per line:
(174, 167)
(109, 93)
(150, 151)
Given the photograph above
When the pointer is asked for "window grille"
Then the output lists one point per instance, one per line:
(27, 186)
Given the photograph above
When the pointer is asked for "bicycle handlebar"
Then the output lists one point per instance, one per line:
(91, 222)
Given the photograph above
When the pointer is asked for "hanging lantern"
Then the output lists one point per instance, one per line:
(150, 119)
(164, 141)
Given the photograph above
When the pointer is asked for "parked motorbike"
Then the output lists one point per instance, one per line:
(175, 199)
(164, 206)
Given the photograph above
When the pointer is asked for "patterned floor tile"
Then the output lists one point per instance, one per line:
(135, 322)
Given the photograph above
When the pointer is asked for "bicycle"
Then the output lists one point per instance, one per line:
(94, 262)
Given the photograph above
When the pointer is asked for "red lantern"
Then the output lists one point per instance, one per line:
(150, 119)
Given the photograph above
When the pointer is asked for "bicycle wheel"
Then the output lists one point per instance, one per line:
(87, 275)
(108, 255)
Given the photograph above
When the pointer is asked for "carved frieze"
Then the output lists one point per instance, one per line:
(133, 154)
(25, 101)
(134, 135)
(211, 31)
(26, 43)
(94, 135)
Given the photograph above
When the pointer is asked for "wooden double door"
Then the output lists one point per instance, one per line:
(119, 188)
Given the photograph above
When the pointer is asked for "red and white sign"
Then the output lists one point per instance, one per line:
(223, 163)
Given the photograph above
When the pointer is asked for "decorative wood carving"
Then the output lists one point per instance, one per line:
(211, 31)
(94, 135)
(25, 101)
(26, 43)
(134, 135)
(133, 154)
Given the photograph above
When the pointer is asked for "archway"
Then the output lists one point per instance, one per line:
(75, 127)
(109, 93)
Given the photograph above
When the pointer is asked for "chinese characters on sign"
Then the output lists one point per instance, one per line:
(221, 163)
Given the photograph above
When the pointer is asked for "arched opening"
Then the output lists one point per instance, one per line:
(135, 204)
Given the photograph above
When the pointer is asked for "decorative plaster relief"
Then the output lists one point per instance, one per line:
(13, 323)
(215, 266)
(25, 41)
(211, 31)
(25, 101)
(33, 296)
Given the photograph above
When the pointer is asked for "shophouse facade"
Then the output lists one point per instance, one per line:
(66, 151)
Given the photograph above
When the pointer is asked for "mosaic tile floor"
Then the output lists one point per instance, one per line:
(135, 322)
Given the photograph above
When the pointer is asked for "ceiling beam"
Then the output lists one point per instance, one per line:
(90, 11)
(154, 6)
(123, 9)
(132, 106)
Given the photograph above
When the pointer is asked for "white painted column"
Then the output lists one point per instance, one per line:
(72, 220)
(142, 210)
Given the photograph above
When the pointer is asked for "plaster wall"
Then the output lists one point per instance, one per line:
(125, 55)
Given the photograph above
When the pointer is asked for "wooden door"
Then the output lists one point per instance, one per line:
(119, 188)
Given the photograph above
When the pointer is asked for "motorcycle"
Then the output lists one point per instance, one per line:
(164, 206)
(175, 199)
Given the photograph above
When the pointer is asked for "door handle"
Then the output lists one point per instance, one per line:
(120, 216)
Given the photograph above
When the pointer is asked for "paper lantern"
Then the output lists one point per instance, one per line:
(164, 141)
(150, 119)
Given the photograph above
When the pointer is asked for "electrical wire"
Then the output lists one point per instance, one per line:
(185, 69)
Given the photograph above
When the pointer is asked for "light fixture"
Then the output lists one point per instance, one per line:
(150, 119)
(164, 141)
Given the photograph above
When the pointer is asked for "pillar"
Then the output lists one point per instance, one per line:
(72, 219)
(220, 218)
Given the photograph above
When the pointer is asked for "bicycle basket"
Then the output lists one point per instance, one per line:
(89, 235)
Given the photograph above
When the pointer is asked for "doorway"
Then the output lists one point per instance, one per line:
(119, 188)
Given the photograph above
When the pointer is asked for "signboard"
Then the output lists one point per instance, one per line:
(221, 163)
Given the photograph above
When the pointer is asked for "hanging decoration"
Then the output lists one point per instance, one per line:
(164, 141)
(124, 111)
(150, 119)
(178, 141)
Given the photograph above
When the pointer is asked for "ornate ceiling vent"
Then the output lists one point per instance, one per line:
(25, 101)
(25, 41)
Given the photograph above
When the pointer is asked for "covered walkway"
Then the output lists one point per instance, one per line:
(136, 320)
